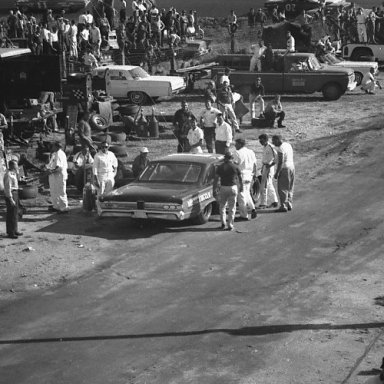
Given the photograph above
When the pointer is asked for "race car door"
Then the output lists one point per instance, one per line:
(295, 80)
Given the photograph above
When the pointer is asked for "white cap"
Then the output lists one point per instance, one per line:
(144, 150)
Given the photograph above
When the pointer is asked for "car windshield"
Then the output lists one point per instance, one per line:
(332, 59)
(172, 173)
(138, 73)
(313, 63)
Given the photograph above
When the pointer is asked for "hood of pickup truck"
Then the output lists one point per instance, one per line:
(335, 69)
(175, 81)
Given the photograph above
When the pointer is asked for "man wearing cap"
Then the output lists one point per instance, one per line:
(104, 169)
(267, 172)
(230, 176)
(285, 173)
(223, 135)
(11, 194)
(140, 162)
(195, 137)
(208, 122)
(58, 175)
(245, 159)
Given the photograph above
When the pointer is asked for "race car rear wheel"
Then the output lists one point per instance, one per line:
(203, 215)
(137, 97)
(358, 78)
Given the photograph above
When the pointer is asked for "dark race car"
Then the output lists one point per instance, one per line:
(176, 187)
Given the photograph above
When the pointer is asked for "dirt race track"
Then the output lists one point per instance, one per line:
(288, 298)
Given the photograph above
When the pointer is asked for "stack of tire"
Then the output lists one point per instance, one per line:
(115, 139)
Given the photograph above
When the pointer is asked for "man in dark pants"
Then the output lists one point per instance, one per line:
(181, 123)
(11, 193)
(230, 176)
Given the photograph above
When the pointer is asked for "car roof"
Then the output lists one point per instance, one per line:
(203, 158)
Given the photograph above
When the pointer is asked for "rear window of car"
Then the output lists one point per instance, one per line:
(172, 173)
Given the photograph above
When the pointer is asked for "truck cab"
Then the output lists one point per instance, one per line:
(292, 73)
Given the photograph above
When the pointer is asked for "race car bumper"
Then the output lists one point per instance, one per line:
(352, 86)
(144, 214)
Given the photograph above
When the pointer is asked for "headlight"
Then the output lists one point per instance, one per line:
(172, 207)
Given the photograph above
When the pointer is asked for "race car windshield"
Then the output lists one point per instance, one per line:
(138, 73)
(171, 173)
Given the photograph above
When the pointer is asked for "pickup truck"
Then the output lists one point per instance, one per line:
(363, 52)
(291, 73)
(134, 83)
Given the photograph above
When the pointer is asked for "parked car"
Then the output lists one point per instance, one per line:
(176, 187)
(291, 73)
(363, 52)
(359, 67)
(134, 83)
(194, 48)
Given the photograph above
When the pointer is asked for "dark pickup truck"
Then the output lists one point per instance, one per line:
(292, 73)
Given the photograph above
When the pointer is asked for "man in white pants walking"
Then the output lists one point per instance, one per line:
(58, 175)
(245, 159)
(267, 173)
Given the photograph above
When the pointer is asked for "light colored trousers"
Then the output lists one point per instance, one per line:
(57, 186)
(369, 86)
(245, 200)
(252, 101)
(106, 184)
(285, 184)
(228, 196)
(255, 63)
(267, 188)
(362, 33)
(228, 110)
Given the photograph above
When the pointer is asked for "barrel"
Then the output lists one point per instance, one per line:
(28, 192)
(153, 127)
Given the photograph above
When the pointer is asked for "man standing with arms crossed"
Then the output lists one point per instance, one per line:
(208, 123)
(267, 173)
(285, 173)
(245, 159)
(229, 175)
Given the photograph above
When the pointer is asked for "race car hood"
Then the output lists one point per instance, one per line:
(152, 192)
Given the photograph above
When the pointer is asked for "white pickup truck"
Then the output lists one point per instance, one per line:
(363, 51)
(134, 83)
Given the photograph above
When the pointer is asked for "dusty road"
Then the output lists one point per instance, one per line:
(289, 298)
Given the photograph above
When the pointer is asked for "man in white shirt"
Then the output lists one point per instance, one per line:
(361, 26)
(285, 173)
(267, 172)
(89, 18)
(258, 52)
(195, 137)
(82, 19)
(104, 169)
(290, 42)
(73, 51)
(245, 159)
(223, 133)
(208, 122)
(58, 175)
(225, 77)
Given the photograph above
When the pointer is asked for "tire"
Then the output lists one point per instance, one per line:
(137, 97)
(118, 137)
(119, 150)
(129, 110)
(203, 215)
(358, 78)
(98, 123)
(332, 91)
(28, 192)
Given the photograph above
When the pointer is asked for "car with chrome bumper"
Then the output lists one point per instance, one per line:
(176, 187)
